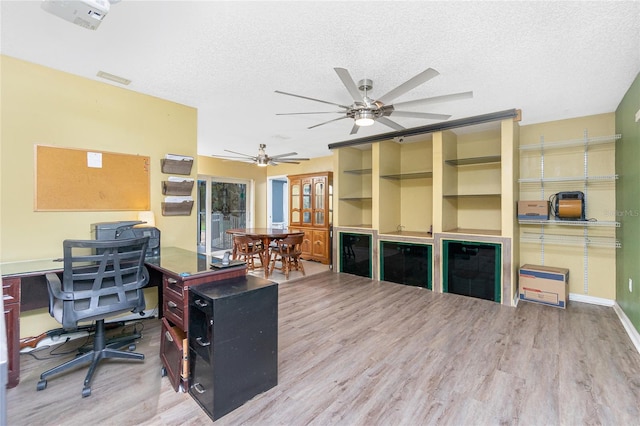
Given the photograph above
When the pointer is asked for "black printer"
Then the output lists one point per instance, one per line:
(128, 229)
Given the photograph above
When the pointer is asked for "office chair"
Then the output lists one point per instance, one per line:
(288, 251)
(100, 279)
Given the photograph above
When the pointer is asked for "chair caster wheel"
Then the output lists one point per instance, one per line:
(42, 385)
(86, 392)
(132, 347)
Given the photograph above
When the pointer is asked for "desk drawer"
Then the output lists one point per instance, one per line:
(172, 346)
(173, 286)
(11, 290)
(173, 309)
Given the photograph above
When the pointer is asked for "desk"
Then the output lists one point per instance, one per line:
(266, 235)
(24, 288)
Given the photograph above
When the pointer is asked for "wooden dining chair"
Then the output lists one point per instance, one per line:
(287, 251)
(249, 249)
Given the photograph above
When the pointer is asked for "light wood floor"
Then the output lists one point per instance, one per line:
(358, 352)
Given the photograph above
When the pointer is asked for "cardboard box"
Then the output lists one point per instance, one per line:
(544, 284)
(533, 210)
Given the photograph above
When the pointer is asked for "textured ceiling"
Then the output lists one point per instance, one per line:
(553, 60)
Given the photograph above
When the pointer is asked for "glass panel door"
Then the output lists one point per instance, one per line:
(319, 207)
(306, 203)
(222, 204)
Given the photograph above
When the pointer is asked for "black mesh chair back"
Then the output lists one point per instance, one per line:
(101, 279)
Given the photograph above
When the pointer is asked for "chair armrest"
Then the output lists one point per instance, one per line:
(55, 289)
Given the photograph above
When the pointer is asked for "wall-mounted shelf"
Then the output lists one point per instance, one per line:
(570, 157)
(571, 143)
(176, 166)
(177, 188)
(595, 223)
(414, 175)
(177, 209)
(355, 198)
(607, 178)
(578, 240)
(474, 161)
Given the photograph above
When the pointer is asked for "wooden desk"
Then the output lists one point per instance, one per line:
(24, 288)
(266, 235)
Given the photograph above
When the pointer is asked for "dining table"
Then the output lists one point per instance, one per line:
(266, 235)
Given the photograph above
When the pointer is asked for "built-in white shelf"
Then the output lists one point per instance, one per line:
(359, 171)
(414, 175)
(473, 161)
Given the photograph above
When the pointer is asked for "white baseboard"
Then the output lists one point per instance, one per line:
(626, 323)
(591, 299)
(634, 335)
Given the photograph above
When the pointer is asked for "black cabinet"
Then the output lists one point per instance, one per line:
(233, 342)
(472, 269)
(406, 263)
(356, 254)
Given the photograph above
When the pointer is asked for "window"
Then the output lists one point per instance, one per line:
(223, 203)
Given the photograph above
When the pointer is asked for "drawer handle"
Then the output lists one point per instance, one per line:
(172, 304)
(168, 336)
(172, 280)
(201, 343)
(201, 303)
(198, 388)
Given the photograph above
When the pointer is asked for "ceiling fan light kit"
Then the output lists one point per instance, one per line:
(364, 118)
(366, 111)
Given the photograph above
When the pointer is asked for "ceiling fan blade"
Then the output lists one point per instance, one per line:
(354, 129)
(326, 122)
(412, 83)
(311, 99)
(283, 155)
(239, 153)
(290, 160)
(389, 123)
(435, 99)
(320, 112)
(349, 84)
(426, 115)
(242, 159)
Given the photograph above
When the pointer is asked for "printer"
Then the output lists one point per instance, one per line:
(128, 229)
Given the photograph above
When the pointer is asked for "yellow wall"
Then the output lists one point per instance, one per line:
(600, 199)
(44, 106)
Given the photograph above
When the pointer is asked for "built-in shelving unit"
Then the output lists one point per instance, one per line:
(354, 193)
(413, 192)
(472, 177)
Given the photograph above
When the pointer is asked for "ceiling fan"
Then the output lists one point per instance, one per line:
(365, 111)
(262, 159)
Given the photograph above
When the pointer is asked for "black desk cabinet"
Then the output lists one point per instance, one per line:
(233, 342)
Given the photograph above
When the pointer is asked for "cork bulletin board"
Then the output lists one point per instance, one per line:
(85, 180)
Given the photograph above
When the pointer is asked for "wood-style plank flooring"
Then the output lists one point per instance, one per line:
(358, 352)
